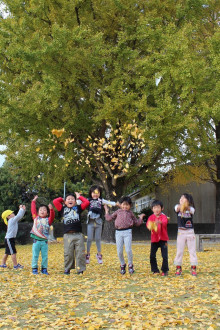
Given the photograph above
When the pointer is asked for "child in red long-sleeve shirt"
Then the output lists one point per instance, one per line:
(40, 232)
(157, 224)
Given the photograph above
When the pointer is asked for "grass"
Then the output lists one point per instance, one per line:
(102, 298)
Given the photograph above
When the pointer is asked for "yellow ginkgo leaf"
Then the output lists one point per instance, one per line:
(58, 132)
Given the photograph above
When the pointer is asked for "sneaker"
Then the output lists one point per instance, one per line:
(3, 266)
(193, 271)
(99, 258)
(34, 271)
(44, 271)
(131, 269)
(78, 273)
(87, 258)
(66, 272)
(156, 273)
(164, 274)
(123, 269)
(18, 266)
(178, 270)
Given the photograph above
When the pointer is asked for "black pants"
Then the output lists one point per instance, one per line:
(164, 253)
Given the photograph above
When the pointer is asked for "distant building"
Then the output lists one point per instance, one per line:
(139, 202)
(204, 195)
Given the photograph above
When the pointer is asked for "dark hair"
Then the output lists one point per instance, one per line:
(93, 188)
(70, 194)
(125, 199)
(156, 202)
(44, 205)
(189, 198)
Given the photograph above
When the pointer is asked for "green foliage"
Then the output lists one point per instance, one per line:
(10, 191)
(90, 69)
(80, 187)
(147, 212)
(2, 237)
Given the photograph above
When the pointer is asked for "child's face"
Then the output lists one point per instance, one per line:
(95, 194)
(125, 206)
(184, 200)
(70, 201)
(157, 209)
(11, 216)
(42, 212)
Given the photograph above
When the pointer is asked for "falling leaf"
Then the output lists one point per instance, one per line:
(58, 132)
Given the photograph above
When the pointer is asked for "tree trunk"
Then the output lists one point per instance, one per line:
(217, 214)
(108, 234)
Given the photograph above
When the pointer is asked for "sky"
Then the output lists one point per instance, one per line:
(2, 157)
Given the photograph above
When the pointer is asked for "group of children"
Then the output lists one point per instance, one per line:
(74, 251)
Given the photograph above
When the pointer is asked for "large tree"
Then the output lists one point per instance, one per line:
(103, 88)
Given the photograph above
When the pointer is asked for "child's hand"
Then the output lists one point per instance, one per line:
(151, 225)
(22, 207)
(177, 208)
(50, 206)
(77, 195)
(35, 198)
(141, 216)
(106, 208)
(184, 207)
(118, 204)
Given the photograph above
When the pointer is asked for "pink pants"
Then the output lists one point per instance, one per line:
(183, 237)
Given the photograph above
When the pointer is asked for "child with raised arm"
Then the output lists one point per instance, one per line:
(43, 218)
(11, 220)
(124, 222)
(157, 224)
(185, 211)
(94, 220)
(73, 237)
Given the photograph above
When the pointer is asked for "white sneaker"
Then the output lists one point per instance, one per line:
(87, 259)
(99, 258)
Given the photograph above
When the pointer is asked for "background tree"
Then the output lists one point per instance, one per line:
(10, 191)
(109, 92)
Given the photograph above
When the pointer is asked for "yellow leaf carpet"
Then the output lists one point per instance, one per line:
(102, 298)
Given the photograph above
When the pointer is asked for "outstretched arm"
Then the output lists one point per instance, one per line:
(58, 203)
(109, 217)
(33, 207)
(138, 222)
(52, 214)
(85, 202)
(21, 212)
(105, 202)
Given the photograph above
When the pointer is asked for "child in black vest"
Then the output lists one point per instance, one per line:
(94, 220)
(73, 237)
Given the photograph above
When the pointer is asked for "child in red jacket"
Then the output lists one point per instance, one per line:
(157, 224)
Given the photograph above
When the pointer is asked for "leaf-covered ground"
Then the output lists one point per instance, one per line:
(102, 298)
